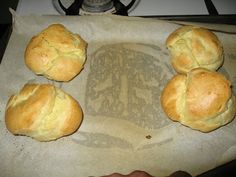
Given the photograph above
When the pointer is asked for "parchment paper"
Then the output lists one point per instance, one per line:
(124, 127)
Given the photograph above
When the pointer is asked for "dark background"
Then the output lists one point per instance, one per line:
(5, 23)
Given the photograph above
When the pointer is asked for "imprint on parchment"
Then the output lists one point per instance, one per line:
(125, 82)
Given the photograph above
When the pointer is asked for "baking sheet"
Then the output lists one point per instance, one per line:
(124, 127)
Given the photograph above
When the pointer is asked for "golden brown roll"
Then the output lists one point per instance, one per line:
(56, 53)
(42, 112)
(193, 47)
(202, 100)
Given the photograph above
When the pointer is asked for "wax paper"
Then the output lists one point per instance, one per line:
(124, 127)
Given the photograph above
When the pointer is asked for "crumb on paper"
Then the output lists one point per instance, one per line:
(148, 136)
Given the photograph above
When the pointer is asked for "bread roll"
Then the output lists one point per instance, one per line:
(202, 100)
(193, 47)
(42, 112)
(56, 53)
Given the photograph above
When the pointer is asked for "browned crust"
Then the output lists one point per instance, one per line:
(56, 53)
(192, 47)
(171, 95)
(207, 93)
(202, 100)
(42, 112)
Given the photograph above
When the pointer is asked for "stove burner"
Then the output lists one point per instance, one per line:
(91, 7)
(97, 5)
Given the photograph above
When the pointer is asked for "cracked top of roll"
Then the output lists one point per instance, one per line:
(192, 47)
(56, 53)
(201, 99)
(43, 112)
